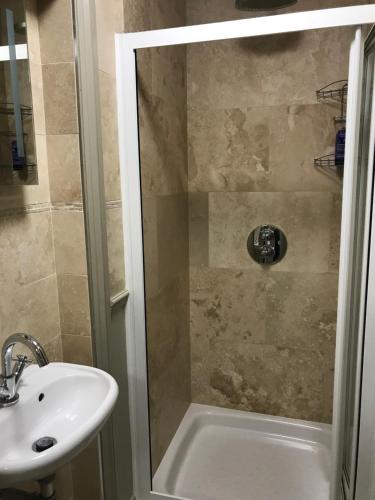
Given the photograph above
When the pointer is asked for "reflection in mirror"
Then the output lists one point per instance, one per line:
(17, 141)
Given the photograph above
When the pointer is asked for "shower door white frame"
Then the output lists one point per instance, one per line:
(126, 46)
(365, 487)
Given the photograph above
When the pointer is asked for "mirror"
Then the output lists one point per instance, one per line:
(17, 140)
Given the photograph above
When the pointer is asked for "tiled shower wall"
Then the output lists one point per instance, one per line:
(110, 20)
(263, 339)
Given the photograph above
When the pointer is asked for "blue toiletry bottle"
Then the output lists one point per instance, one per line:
(340, 147)
(18, 161)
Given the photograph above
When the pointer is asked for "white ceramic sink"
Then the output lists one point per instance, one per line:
(67, 402)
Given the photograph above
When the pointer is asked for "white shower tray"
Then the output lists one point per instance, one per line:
(220, 454)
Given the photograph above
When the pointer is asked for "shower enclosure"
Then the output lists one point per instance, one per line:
(247, 265)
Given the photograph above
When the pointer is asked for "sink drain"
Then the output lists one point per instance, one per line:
(43, 443)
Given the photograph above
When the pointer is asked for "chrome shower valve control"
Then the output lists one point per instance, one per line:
(267, 244)
(11, 373)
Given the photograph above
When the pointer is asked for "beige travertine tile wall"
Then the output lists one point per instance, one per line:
(43, 268)
(263, 339)
(163, 144)
(110, 20)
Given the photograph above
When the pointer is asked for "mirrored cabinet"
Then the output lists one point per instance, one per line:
(18, 163)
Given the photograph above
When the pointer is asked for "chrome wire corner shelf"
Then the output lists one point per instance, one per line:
(336, 91)
(7, 109)
(325, 161)
(327, 165)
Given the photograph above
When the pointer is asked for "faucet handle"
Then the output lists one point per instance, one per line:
(21, 363)
(22, 357)
(21, 360)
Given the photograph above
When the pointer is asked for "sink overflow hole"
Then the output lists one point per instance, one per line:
(43, 443)
(41, 396)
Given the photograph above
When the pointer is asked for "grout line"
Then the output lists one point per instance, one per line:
(75, 335)
(39, 280)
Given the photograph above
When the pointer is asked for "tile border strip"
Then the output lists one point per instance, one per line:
(51, 207)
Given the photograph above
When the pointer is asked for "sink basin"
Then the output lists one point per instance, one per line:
(67, 402)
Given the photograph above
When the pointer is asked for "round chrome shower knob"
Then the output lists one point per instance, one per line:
(267, 244)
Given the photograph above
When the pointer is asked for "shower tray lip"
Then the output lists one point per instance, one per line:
(299, 433)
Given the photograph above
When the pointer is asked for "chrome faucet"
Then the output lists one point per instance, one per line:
(11, 375)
